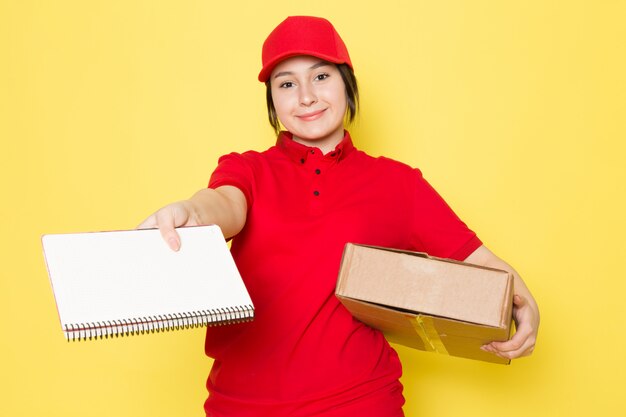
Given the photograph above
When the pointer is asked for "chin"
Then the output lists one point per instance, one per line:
(315, 134)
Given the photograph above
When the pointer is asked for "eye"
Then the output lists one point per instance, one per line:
(322, 76)
(286, 84)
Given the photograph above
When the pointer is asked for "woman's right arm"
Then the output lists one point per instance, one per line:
(224, 206)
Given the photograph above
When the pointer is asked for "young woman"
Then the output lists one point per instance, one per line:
(290, 210)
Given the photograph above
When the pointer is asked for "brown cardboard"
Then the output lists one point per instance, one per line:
(427, 303)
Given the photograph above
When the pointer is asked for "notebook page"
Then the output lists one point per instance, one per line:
(107, 276)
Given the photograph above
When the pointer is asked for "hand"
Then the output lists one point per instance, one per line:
(523, 341)
(168, 218)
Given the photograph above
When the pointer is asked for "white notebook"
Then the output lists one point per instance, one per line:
(127, 282)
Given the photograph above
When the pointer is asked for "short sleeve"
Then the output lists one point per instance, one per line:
(234, 170)
(437, 230)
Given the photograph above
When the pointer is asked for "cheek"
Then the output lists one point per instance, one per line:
(337, 95)
(281, 103)
(284, 108)
(344, 101)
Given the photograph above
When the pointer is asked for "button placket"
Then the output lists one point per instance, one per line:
(314, 167)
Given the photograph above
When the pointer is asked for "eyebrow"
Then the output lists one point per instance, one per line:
(315, 66)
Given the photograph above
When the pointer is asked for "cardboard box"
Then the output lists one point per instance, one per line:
(427, 303)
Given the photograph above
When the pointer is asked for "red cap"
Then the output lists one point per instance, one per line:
(303, 35)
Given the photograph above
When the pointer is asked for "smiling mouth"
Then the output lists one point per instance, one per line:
(311, 116)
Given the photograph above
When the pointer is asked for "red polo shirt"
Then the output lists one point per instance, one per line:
(304, 354)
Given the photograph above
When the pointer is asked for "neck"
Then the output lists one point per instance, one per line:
(326, 144)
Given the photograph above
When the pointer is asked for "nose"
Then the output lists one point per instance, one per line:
(307, 95)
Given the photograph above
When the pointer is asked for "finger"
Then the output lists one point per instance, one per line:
(523, 341)
(524, 329)
(520, 349)
(519, 301)
(525, 350)
(514, 343)
(149, 223)
(166, 222)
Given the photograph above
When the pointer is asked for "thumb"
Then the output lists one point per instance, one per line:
(168, 231)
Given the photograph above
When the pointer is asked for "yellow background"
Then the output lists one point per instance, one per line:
(515, 111)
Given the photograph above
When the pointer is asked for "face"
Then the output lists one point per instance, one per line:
(310, 100)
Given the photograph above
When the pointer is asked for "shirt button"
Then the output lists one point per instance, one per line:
(312, 150)
(318, 172)
(316, 193)
(302, 161)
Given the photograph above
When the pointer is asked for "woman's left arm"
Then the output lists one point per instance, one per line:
(525, 310)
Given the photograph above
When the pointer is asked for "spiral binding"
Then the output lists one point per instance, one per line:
(160, 323)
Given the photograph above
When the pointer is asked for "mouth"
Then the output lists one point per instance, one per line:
(307, 117)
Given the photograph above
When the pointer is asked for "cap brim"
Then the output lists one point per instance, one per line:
(265, 73)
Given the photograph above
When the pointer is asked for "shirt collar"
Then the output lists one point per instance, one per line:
(299, 152)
